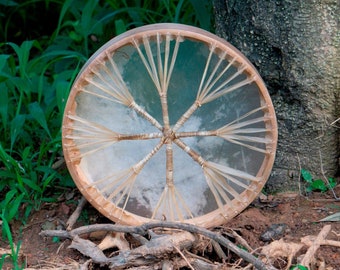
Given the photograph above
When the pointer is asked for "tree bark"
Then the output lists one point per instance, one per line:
(294, 44)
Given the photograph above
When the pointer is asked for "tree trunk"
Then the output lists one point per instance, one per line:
(295, 46)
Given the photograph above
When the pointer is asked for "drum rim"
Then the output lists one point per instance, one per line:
(107, 208)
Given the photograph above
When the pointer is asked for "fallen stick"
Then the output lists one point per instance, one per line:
(184, 258)
(143, 229)
(315, 246)
(75, 215)
(4, 251)
(241, 241)
(309, 239)
(220, 253)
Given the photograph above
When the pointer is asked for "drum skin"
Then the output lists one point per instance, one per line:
(169, 122)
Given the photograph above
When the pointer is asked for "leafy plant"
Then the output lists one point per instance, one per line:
(37, 68)
(43, 45)
(298, 267)
(317, 184)
(14, 255)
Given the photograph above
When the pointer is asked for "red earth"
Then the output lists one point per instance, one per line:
(300, 214)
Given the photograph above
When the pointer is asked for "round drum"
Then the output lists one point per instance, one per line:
(169, 122)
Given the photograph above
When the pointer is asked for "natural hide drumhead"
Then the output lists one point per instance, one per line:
(169, 122)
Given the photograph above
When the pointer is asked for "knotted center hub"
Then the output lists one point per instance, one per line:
(169, 136)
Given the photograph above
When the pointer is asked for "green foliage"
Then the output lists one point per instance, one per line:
(43, 45)
(318, 184)
(37, 68)
(15, 248)
(55, 239)
(298, 267)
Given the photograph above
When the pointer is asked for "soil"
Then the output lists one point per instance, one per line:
(299, 214)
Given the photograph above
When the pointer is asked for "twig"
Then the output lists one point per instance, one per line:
(60, 247)
(140, 238)
(60, 162)
(314, 247)
(326, 179)
(219, 250)
(183, 256)
(75, 215)
(308, 240)
(200, 264)
(195, 256)
(241, 240)
(299, 179)
(333, 124)
(85, 265)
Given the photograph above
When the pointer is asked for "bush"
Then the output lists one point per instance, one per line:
(45, 45)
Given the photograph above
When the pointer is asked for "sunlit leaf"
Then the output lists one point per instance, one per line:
(333, 217)
(306, 175)
(13, 210)
(332, 182)
(38, 114)
(319, 185)
(16, 127)
(120, 26)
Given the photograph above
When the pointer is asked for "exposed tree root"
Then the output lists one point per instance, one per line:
(307, 259)
(166, 245)
(75, 215)
(155, 250)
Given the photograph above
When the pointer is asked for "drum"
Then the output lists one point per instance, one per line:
(169, 122)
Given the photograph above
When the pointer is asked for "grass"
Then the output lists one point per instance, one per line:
(37, 67)
(14, 248)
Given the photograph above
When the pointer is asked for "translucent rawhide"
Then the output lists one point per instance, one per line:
(169, 122)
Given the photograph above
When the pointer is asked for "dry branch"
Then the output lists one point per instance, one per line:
(114, 240)
(89, 249)
(309, 240)
(280, 249)
(75, 215)
(316, 244)
(154, 251)
(242, 241)
(168, 246)
(220, 253)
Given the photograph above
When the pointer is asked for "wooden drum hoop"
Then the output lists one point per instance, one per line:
(169, 122)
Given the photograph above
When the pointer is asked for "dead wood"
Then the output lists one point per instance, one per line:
(164, 245)
(315, 246)
(154, 251)
(114, 240)
(309, 240)
(280, 249)
(167, 265)
(202, 265)
(242, 242)
(184, 258)
(89, 249)
(4, 251)
(75, 215)
(219, 250)
(85, 265)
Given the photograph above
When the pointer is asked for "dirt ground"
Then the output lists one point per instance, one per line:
(300, 214)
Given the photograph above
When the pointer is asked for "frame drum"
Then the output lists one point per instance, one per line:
(169, 122)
